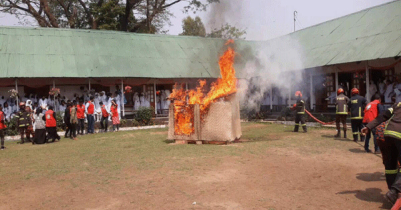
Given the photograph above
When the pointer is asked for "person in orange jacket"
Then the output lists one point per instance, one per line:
(51, 124)
(2, 126)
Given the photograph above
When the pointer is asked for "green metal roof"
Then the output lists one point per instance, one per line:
(46, 52)
(370, 34)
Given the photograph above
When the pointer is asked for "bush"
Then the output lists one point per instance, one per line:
(144, 115)
(12, 128)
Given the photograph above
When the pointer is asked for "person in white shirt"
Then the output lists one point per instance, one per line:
(43, 103)
(166, 102)
(62, 107)
(98, 111)
(137, 102)
(7, 111)
(388, 92)
(381, 87)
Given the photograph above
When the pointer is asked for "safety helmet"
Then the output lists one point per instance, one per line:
(298, 93)
(22, 104)
(355, 91)
(339, 91)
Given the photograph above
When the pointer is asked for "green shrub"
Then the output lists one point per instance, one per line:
(144, 115)
(12, 128)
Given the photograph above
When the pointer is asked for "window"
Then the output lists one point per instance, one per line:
(389, 75)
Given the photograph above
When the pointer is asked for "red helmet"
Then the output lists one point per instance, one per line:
(339, 91)
(22, 104)
(355, 91)
(298, 93)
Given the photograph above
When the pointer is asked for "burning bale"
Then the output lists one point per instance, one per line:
(211, 117)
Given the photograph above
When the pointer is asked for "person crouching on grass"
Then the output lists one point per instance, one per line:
(114, 113)
(51, 124)
(2, 126)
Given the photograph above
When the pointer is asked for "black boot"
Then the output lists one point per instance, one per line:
(345, 134)
(362, 138)
(296, 128)
(355, 138)
(392, 196)
(305, 130)
(338, 134)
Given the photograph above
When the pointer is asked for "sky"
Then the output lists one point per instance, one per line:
(262, 19)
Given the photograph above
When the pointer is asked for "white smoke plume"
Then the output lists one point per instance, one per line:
(277, 63)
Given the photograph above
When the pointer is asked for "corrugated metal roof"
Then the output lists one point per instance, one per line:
(44, 52)
(370, 34)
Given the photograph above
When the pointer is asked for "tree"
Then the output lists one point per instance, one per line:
(146, 16)
(227, 32)
(193, 27)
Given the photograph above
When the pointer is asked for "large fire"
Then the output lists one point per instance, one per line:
(184, 100)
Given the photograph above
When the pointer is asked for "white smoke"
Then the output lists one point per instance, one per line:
(277, 63)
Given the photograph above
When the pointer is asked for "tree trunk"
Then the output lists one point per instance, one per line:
(51, 17)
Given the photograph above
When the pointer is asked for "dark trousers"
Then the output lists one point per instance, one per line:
(367, 139)
(116, 126)
(73, 130)
(2, 137)
(68, 129)
(104, 123)
(299, 121)
(24, 131)
(91, 123)
(391, 162)
(52, 133)
(391, 170)
(81, 126)
(357, 126)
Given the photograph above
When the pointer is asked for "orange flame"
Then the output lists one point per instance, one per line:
(184, 100)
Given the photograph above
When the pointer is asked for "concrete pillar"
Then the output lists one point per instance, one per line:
(154, 92)
(271, 98)
(336, 78)
(367, 84)
(122, 97)
(311, 92)
(16, 88)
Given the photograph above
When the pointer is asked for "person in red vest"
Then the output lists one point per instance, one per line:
(104, 122)
(114, 113)
(81, 116)
(51, 124)
(2, 126)
(90, 114)
(372, 110)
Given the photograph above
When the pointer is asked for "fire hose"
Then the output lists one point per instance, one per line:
(317, 120)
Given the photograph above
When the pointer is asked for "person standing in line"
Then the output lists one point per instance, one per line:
(90, 112)
(81, 116)
(115, 115)
(23, 122)
(51, 124)
(67, 119)
(98, 111)
(43, 103)
(7, 111)
(104, 123)
(40, 126)
(341, 112)
(372, 110)
(357, 106)
(30, 130)
(2, 127)
(73, 121)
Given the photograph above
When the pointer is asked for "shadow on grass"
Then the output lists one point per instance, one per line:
(357, 150)
(168, 141)
(371, 177)
(370, 195)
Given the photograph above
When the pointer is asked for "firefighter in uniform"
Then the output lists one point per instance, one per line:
(300, 109)
(357, 106)
(392, 136)
(23, 122)
(341, 112)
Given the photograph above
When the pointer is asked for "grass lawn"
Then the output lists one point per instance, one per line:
(272, 168)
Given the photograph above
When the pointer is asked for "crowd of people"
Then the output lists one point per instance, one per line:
(36, 119)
